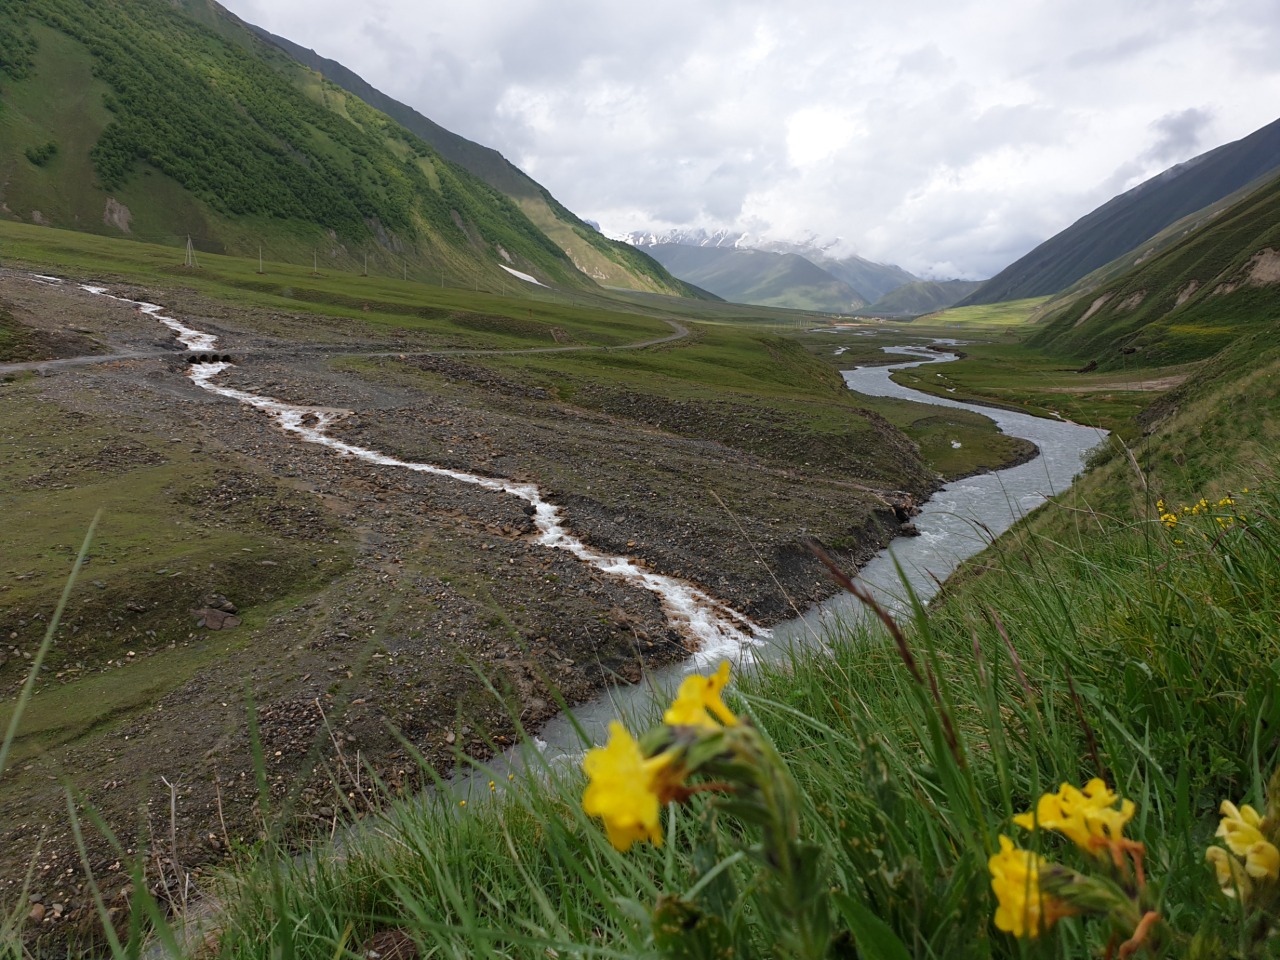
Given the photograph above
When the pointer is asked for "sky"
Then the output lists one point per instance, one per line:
(946, 136)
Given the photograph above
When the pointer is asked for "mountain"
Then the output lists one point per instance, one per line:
(693, 237)
(1174, 233)
(1126, 221)
(758, 277)
(1216, 284)
(609, 262)
(163, 119)
(871, 280)
(922, 296)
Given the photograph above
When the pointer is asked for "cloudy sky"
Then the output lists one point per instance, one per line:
(947, 136)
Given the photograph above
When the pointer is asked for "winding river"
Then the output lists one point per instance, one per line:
(957, 522)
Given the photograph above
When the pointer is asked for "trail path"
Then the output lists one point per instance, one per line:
(679, 332)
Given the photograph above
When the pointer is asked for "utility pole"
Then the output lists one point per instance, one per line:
(315, 263)
(260, 270)
(366, 264)
(191, 254)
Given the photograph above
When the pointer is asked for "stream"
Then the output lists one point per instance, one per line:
(957, 522)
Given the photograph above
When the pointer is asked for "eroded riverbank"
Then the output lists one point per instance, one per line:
(955, 523)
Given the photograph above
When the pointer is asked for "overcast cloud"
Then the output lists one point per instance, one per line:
(947, 136)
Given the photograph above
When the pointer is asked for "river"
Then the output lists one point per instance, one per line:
(954, 524)
(958, 521)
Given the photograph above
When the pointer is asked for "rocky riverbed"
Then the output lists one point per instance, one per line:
(366, 615)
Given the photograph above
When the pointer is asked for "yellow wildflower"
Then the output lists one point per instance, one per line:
(626, 789)
(1088, 818)
(1241, 828)
(698, 703)
(1022, 909)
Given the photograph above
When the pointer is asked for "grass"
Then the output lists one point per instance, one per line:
(1187, 302)
(1011, 313)
(1046, 386)
(440, 316)
(763, 391)
(1092, 640)
(743, 356)
(998, 367)
(158, 551)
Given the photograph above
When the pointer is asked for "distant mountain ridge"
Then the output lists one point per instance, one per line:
(922, 296)
(1127, 221)
(871, 280)
(758, 277)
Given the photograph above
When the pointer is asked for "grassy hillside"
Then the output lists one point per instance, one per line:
(135, 119)
(1185, 303)
(608, 262)
(1175, 232)
(1127, 221)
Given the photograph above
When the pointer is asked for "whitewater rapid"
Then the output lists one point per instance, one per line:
(715, 630)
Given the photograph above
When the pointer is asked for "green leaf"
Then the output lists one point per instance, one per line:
(875, 939)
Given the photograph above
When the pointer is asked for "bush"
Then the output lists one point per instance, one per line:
(43, 154)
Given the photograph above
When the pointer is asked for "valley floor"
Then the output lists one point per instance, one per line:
(372, 604)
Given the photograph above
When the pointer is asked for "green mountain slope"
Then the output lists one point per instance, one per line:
(1220, 282)
(159, 120)
(759, 277)
(1126, 221)
(872, 280)
(922, 296)
(609, 262)
(1174, 233)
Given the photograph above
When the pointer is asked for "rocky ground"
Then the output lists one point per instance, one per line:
(381, 613)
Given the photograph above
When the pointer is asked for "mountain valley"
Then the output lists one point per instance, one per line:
(219, 248)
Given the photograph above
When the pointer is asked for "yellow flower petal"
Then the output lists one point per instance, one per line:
(1240, 827)
(698, 703)
(1262, 861)
(1231, 875)
(1088, 817)
(1022, 909)
(625, 789)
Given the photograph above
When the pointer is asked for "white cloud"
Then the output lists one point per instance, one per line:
(945, 136)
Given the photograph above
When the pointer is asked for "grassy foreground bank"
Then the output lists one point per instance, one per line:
(1126, 632)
